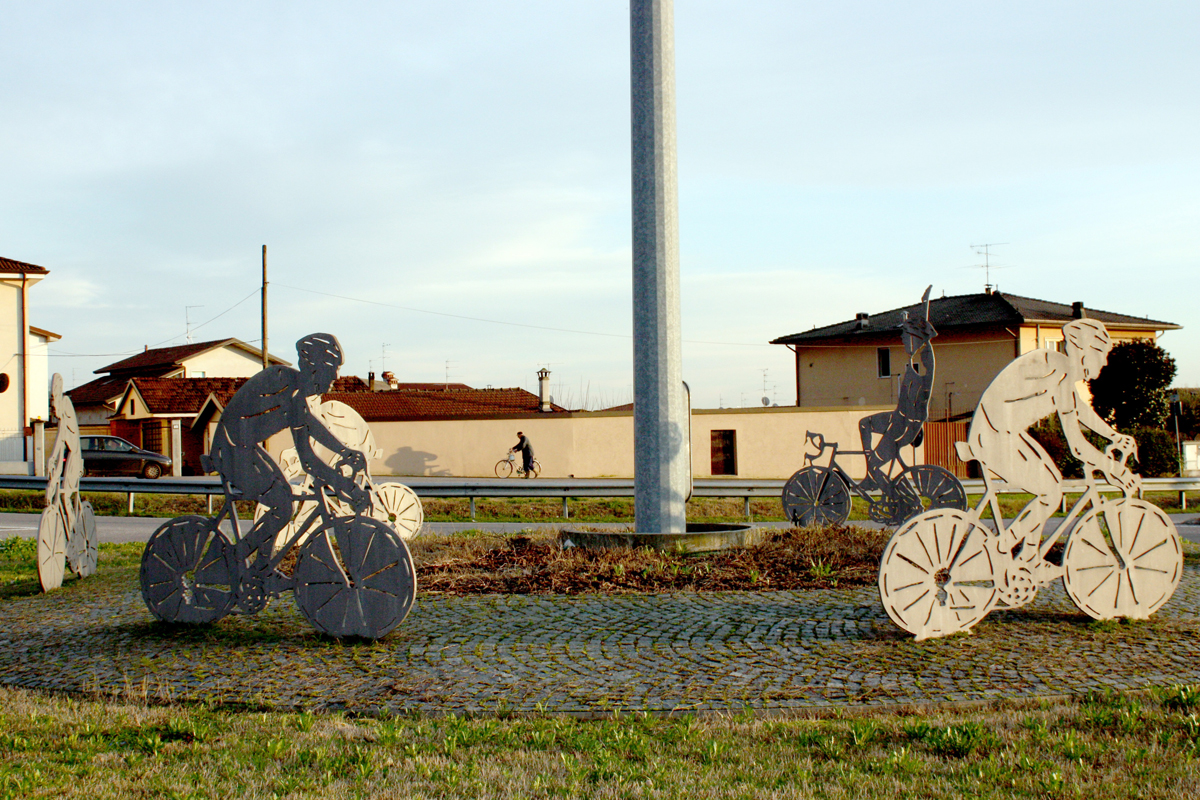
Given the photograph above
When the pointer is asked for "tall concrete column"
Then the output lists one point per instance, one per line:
(661, 471)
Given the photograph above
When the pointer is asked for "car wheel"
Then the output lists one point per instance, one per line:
(151, 471)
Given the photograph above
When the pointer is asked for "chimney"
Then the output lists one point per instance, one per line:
(1077, 310)
(390, 377)
(371, 381)
(862, 320)
(543, 389)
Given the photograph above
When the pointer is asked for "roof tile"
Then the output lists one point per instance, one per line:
(971, 310)
(9, 265)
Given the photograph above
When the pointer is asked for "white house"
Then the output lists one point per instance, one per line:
(24, 378)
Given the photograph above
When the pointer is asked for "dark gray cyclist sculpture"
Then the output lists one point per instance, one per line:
(820, 495)
(353, 574)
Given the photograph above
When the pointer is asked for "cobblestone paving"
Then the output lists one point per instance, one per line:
(770, 651)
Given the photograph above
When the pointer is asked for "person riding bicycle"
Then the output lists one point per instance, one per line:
(526, 450)
(1033, 386)
(901, 427)
(270, 402)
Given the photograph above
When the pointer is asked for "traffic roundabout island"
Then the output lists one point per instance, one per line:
(589, 654)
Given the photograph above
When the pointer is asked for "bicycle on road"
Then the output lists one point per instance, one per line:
(505, 467)
(353, 574)
(945, 570)
(820, 495)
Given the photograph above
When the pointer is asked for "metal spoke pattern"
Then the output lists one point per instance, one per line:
(51, 549)
(399, 508)
(936, 576)
(1123, 560)
(365, 588)
(816, 496)
(188, 572)
(89, 539)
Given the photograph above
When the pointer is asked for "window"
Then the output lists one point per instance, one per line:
(883, 357)
(724, 452)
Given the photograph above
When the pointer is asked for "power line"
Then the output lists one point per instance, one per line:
(498, 321)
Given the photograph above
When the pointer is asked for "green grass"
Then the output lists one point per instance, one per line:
(1101, 746)
(18, 564)
(619, 509)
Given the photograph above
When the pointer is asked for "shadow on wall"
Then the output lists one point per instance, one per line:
(407, 461)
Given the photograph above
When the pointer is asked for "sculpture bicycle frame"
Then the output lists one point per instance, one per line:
(353, 574)
(945, 570)
(820, 495)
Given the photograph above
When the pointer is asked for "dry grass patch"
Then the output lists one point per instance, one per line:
(535, 563)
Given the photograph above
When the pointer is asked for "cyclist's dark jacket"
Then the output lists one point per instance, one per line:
(524, 448)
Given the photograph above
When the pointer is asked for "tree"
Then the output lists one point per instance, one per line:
(1131, 389)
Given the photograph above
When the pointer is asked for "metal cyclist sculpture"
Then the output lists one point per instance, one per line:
(945, 570)
(820, 495)
(353, 574)
(67, 531)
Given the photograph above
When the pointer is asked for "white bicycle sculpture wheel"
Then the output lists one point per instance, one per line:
(51, 549)
(1123, 559)
(936, 576)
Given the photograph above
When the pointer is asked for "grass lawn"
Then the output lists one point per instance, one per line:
(1100, 746)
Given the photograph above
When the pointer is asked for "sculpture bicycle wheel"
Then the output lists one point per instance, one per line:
(355, 577)
(924, 487)
(504, 468)
(936, 576)
(89, 541)
(399, 508)
(1123, 559)
(816, 496)
(51, 548)
(189, 572)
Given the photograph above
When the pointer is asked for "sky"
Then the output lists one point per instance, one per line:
(445, 186)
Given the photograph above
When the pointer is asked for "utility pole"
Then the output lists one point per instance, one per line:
(266, 357)
(662, 468)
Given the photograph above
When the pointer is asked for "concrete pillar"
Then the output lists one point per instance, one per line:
(39, 447)
(659, 427)
(176, 448)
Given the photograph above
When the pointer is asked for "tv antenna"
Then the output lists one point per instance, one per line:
(987, 265)
(187, 318)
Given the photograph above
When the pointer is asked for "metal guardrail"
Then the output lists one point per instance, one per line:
(564, 488)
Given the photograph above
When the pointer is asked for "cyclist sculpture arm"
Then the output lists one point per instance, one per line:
(901, 427)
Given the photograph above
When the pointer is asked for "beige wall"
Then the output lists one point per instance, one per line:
(847, 376)
(770, 442)
(835, 376)
(224, 362)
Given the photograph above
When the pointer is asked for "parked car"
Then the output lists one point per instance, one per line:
(104, 455)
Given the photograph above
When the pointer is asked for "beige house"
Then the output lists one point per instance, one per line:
(859, 362)
(96, 402)
(24, 374)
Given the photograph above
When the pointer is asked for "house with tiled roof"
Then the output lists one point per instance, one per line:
(153, 412)
(24, 376)
(96, 401)
(859, 361)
